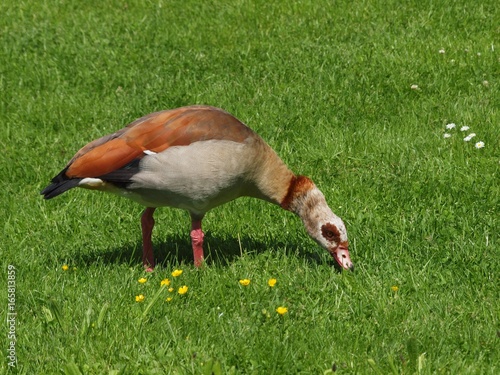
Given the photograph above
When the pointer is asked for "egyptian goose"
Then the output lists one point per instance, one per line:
(197, 158)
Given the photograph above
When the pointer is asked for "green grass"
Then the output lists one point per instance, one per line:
(329, 87)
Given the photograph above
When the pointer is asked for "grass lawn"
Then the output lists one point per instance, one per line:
(355, 94)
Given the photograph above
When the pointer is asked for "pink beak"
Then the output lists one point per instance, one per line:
(341, 255)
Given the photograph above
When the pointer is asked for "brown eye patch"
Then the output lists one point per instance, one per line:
(330, 232)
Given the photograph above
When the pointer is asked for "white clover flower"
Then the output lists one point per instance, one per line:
(414, 87)
(450, 126)
(479, 144)
(469, 137)
(441, 51)
(464, 128)
(446, 135)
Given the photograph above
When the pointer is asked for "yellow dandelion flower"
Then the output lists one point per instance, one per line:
(165, 282)
(169, 299)
(142, 280)
(245, 282)
(183, 289)
(271, 282)
(394, 288)
(139, 298)
(176, 273)
(65, 267)
(282, 310)
(170, 290)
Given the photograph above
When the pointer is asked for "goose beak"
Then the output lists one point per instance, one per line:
(341, 255)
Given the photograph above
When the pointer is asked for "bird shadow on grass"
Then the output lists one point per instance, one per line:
(177, 249)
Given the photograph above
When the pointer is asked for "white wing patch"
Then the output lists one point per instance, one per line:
(149, 152)
(91, 182)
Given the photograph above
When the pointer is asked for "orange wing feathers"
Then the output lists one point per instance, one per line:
(155, 132)
(103, 159)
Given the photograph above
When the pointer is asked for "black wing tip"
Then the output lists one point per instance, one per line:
(57, 188)
(121, 177)
(59, 185)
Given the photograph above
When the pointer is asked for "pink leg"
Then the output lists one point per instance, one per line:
(147, 223)
(197, 241)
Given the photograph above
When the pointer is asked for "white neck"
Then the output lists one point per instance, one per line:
(312, 208)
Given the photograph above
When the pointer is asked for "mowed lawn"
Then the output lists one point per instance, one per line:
(358, 95)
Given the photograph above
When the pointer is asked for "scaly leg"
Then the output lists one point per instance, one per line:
(197, 240)
(147, 223)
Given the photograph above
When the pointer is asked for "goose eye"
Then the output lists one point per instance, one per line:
(330, 232)
(329, 235)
